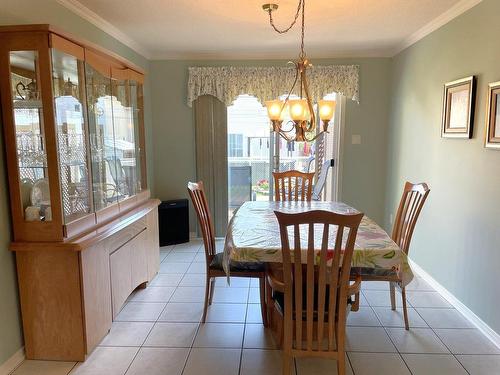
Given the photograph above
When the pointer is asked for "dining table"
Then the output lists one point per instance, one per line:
(253, 235)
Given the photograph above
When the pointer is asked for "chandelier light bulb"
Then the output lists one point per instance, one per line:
(326, 109)
(274, 109)
(298, 110)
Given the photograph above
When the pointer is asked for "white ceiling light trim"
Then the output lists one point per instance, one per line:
(441, 20)
(84, 12)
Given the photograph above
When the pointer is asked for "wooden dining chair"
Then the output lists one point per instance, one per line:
(214, 259)
(316, 295)
(412, 201)
(293, 186)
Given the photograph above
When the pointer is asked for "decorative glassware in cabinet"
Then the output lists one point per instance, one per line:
(106, 185)
(30, 138)
(137, 100)
(69, 98)
(124, 115)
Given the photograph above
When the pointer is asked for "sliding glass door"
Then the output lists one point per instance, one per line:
(254, 152)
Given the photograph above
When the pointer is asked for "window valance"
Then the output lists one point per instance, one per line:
(266, 83)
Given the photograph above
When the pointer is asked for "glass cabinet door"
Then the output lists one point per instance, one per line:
(125, 139)
(107, 187)
(29, 135)
(67, 77)
(137, 100)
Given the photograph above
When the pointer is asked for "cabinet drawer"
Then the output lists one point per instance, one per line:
(120, 238)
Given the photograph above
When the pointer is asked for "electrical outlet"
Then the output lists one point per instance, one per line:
(356, 139)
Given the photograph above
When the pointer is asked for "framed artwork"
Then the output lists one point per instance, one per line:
(493, 116)
(458, 108)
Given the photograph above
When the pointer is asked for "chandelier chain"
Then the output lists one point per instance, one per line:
(271, 19)
(302, 53)
(300, 8)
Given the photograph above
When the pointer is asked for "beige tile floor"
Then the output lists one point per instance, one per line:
(158, 332)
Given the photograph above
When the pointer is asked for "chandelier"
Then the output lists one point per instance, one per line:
(301, 111)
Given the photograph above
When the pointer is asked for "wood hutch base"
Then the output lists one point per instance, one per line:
(71, 291)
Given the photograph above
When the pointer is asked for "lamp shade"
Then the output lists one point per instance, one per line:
(274, 109)
(326, 109)
(298, 109)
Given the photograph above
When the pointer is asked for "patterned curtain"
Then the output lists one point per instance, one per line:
(266, 83)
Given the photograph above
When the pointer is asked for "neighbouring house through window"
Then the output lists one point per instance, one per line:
(253, 155)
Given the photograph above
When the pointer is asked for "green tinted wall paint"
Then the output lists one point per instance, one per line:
(457, 240)
(364, 165)
(13, 12)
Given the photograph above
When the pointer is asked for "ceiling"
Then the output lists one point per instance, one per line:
(170, 29)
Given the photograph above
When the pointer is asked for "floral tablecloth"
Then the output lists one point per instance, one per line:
(253, 236)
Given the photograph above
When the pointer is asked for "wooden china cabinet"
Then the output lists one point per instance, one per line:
(85, 229)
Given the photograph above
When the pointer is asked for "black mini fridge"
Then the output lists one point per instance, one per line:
(173, 222)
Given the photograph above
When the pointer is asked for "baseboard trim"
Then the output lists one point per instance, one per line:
(457, 304)
(13, 362)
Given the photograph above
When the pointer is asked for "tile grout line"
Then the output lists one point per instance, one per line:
(428, 327)
(244, 332)
(439, 338)
(196, 333)
(153, 326)
(389, 336)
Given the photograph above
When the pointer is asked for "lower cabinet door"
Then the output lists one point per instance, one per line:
(96, 294)
(139, 259)
(121, 276)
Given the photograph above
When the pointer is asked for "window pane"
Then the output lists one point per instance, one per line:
(295, 155)
(248, 151)
(30, 138)
(67, 76)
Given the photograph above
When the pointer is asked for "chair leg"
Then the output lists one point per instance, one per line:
(212, 288)
(405, 310)
(207, 296)
(392, 288)
(269, 301)
(287, 363)
(341, 364)
(263, 307)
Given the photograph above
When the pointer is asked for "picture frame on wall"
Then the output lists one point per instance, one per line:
(458, 108)
(492, 139)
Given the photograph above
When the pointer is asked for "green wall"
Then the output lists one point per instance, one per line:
(457, 239)
(29, 12)
(398, 118)
(364, 165)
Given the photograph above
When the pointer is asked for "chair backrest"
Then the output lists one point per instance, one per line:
(325, 283)
(320, 183)
(412, 201)
(200, 204)
(309, 163)
(292, 186)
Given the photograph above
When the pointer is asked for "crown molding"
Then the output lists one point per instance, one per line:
(436, 23)
(92, 17)
(267, 55)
